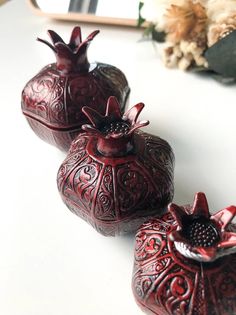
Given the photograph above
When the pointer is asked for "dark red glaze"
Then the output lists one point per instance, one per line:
(115, 176)
(177, 272)
(52, 101)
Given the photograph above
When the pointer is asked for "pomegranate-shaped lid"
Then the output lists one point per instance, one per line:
(115, 176)
(200, 235)
(185, 261)
(114, 131)
(71, 57)
(52, 100)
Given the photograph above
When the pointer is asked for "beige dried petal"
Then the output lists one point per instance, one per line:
(200, 61)
(187, 22)
(220, 9)
(170, 58)
(183, 55)
(177, 51)
(185, 63)
(154, 11)
(221, 29)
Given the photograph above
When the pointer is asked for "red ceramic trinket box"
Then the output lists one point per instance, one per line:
(185, 262)
(52, 101)
(115, 176)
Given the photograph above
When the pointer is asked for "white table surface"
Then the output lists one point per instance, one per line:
(51, 261)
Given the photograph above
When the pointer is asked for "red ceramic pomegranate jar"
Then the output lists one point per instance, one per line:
(115, 176)
(52, 101)
(185, 262)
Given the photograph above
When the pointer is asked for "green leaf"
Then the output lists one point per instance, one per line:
(221, 57)
(152, 33)
(159, 37)
(223, 80)
(205, 72)
(148, 31)
(141, 20)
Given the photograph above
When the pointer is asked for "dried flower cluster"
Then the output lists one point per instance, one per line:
(187, 22)
(191, 26)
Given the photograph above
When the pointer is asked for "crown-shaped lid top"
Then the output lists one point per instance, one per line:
(114, 131)
(71, 57)
(200, 235)
(113, 125)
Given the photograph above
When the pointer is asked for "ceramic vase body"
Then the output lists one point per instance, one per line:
(52, 101)
(166, 283)
(116, 194)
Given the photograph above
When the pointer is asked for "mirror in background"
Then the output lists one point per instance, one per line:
(119, 12)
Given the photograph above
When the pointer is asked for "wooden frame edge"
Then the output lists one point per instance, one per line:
(88, 18)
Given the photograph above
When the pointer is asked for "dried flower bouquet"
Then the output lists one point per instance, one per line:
(198, 34)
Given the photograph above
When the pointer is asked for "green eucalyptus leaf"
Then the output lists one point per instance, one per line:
(141, 20)
(224, 80)
(205, 72)
(159, 37)
(148, 31)
(221, 57)
(151, 33)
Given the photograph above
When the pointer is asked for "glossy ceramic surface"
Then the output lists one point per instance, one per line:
(52, 101)
(116, 190)
(165, 282)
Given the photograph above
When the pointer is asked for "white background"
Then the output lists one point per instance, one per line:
(51, 261)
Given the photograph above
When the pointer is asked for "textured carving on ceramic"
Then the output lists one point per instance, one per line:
(185, 262)
(115, 176)
(52, 101)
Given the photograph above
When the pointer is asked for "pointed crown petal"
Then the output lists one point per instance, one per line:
(112, 124)
(200, 205)
(72, 56)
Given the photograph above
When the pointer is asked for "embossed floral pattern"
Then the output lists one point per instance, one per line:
(116, 176)
(165, 282)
